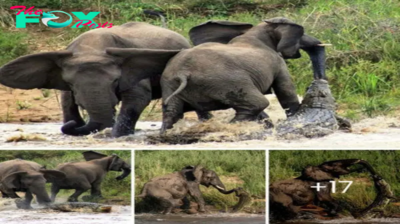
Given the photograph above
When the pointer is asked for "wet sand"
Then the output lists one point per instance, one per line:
(209, 219)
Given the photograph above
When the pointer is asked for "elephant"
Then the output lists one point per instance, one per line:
(233, 65)
(169, 190)
(286, 197)
(97, 80)
(29, 177)
(83, 176)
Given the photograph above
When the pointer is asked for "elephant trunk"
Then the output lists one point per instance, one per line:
(126, 171)
(41, 194)
(317, 55)
(100, 118)
(217, 184)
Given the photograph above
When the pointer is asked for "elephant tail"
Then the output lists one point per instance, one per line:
(157, 13)
(183, 79)
(143, 194)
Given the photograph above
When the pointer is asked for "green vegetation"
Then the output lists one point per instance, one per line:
(111, 189)
(362, 64)
(236, 168)
(287, 164)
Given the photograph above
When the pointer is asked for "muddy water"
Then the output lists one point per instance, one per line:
(350, 221)
(119, 215)
(200, 219)
(378, 132)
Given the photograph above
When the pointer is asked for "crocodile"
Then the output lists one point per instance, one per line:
(84, 207)
(316, 116)
(383, 196)
(244, 199)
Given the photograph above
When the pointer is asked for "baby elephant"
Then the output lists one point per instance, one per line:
(26, 176)
(83, 176)
(171, 189)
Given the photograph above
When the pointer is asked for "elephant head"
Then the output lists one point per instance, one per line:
(203, 176)
(35, 182)
(280, 34)
(115, 164)
(333, 169)
(96, 80)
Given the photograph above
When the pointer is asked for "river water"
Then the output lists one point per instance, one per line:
(348, 221)
(9, 214)
(200, 219)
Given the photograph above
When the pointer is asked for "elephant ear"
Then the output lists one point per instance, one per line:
(13, 180)
(137, 64)
(91, 155)
(198, 173)
(288, 34)
(32, 71)
(116, 163)
(314, 173)
(53, 175)
(217, 31)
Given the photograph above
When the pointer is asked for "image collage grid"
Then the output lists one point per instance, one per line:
(199, 111)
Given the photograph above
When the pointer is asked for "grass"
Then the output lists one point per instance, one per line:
(287, 164)
(111, 188)
(236, 168)
(362, 64)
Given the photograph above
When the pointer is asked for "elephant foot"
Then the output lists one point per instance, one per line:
(119, 131)
(22, 204)
(267, 123)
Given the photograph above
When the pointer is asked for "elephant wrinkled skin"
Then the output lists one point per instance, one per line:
(169, 190)
(97, 79)
(286, 197)
(83, 176)
(29, 177)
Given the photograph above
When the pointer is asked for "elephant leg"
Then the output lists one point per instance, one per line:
(286, 92)
(172, 113)
(96, 190)
(249, 106)
(78, 192)
(70, 109)
(195, 193)
(10, 195)
(25, 204)
(186, 203)
(134, 101)
(169, 204)
(54, 191)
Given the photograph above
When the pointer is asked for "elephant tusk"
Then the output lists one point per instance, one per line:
(218, 187)
(324, 45)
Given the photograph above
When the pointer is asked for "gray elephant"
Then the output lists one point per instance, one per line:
(83, 176)
(97, 80)
(169, 190)
(29, 177)
(233, 65)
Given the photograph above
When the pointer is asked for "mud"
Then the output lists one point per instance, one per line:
(209, 219)
(379, 132)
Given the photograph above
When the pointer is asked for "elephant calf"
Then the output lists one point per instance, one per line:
(171, 189)
(29, 177)
(83, 176)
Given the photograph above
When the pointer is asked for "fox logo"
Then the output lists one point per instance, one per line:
(47, 18)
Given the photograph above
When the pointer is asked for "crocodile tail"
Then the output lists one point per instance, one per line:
(183, 80)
